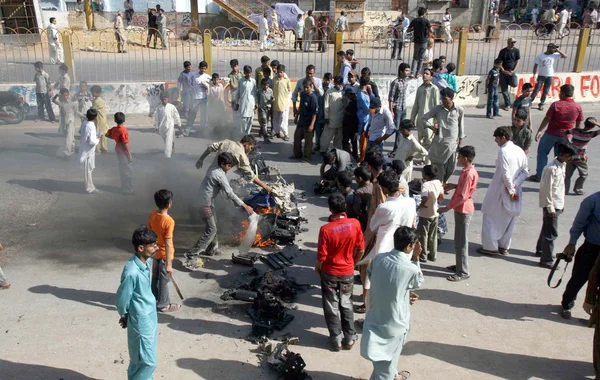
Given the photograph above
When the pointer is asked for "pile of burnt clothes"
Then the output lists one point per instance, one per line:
(289, 364)
(270, 294)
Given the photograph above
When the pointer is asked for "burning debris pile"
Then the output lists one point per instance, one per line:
(289, 364)
(269, 293)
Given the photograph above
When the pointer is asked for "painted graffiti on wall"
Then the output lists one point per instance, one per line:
(380, 18)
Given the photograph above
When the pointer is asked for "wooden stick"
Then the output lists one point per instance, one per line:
(176, 286)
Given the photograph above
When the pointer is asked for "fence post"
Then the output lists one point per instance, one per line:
(338, 45)
(68, 53)
(584, 38)
(207, 49)
(462, 52)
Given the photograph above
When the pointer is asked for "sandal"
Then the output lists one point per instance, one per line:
(350, 344)
(4, 286)
(334, 346)
(457, 278)
(486, 251)
(360, 309)
(403, 375)
(171, 308)
(451, 268)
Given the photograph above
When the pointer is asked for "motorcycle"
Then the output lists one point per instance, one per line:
(13, 108)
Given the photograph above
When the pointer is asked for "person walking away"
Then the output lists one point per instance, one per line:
(68, 111)
(493, 79)
(448, 131)
(101, 121)
(214, 182)
(350, 122)
(128, 5)
(552, 203)
(341, 242)
(282, 88)
(246, 101)
(163, 226)
(43, 90)
(427, 98)
(184, 87)
(63, 81)
(587, 222)
(120, 33)
(463, 206)
(503, 200)
(55, 46)
(161, 24)
(446, 24)
(341, 25)
(309, 25)
(544, 68)
(521, 135)
(563, 20)
(152, 28)
(299, 31)
(200, 82)
(562, 116)
(394, 275)
(334, 116)
(137, 306)
(305, 122)
(579, 141)
(265, 102)
(524, 102)
(421, 29)
(87, 149)
(432, 193)
(510, 57)
(165, 120)
(263, 32)
(121, 137)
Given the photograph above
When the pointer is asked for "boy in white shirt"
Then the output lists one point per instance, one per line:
(432, 192)
(552, 202)
(165, 119)
(200, 82)
(87, 149)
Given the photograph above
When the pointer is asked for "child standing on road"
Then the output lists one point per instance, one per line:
(121, 137)
(165, 119)
(84, 99)
(87, 149)
(43, 89)
(68, 110)
(101, 122)
(492, 90)
(580, 140)
(524, 102)
(216, 103)
(432, 192)
(63, 80)
(265, 101)
(521, 134)
(163, 225)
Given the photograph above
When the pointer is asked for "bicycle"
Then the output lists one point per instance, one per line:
(541, 30)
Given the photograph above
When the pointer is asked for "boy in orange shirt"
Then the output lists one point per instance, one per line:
(121, 137)
(163, 225)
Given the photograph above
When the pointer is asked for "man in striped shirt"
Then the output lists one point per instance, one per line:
(579, 141)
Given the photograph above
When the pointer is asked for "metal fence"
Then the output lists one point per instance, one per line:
(95, 57)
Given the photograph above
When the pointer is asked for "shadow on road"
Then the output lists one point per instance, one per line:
(52, 185)
(500, 364)
(24, 371)
(96, 298)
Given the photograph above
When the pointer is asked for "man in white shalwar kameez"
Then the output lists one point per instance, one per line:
(503, 204)
(87, 149)
(396, 211)
(263, 32)
(54, 45)
(246, 100)
(165, 119)
(393, 275)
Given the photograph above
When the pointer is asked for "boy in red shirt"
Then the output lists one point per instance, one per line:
(341, 243)
(163, 225)
(121, 137)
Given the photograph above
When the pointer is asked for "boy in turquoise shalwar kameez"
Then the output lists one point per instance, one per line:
(137, 306)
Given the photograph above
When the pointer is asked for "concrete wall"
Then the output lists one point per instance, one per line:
(142, 98)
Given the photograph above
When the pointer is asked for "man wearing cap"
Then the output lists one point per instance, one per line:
(510, 57)
(544, 68)
(381, 124)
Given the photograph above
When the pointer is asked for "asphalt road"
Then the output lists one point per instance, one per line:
(64, 252)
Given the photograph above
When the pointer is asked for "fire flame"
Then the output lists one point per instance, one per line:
(258, 240)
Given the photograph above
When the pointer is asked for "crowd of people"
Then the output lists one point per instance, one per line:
(383, 222)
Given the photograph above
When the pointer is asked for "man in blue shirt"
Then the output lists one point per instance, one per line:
(305, 121)
(587, 222)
